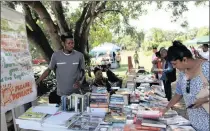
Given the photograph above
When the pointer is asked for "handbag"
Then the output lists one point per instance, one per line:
(204, 92)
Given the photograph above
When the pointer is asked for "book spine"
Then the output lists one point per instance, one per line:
(99, 105)
(139, 127)
(99, 100)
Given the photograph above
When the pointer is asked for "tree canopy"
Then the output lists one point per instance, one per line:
(95, 22)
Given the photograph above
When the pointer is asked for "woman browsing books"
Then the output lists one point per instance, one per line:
(192, 81)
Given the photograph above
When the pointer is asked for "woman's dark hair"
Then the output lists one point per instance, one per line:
(178, 51)
(96, 69)
(158, 54)
(64, 37)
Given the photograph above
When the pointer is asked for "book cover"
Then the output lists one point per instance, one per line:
(153, 123)
(176, 120)
(30, 115)
(181, 128)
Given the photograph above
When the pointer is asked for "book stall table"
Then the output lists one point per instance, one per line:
(128, 109)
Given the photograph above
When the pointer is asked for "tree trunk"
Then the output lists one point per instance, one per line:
(59, 14)
(48, 23)
(37, 35)
(87, 17)
(88, 46)
(46, 50)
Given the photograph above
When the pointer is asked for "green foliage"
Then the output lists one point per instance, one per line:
(164, 44)
(99, 35)
(128, 42)
(203, 31)
(147, 45)
(158, 35)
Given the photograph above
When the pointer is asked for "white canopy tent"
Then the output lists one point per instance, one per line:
(105, 47)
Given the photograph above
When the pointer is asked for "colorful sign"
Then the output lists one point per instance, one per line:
(17, 78)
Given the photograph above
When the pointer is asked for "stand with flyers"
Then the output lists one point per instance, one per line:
(17, 78)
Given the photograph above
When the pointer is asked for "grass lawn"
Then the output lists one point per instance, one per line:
(144, 60)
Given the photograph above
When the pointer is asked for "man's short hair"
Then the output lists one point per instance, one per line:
(205, 45)
(96, 69)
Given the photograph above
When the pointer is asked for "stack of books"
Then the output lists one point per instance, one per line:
(149, 120)
(149, 114)
(124, 91)
(99, 100)
(117, 103)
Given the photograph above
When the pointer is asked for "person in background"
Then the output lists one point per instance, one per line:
(157, 65)
(154, 57)
(192, 49)
(118, 58)
(204, 54)
(168, 74)
(154, 61)
(69, 66)
(114, 56)
(100, 81)
(113, 78)
(136, 59)
(189, 84)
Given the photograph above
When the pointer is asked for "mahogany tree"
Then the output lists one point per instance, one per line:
(48, 36)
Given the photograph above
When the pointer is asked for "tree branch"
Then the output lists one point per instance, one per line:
(100, 8)
(117, 11)
(81, 19)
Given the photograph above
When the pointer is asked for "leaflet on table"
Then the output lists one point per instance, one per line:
(31, 115)
(46, 108)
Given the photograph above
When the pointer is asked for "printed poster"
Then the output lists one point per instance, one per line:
(17, 78)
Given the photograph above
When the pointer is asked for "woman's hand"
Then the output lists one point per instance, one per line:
(198, 103)
(163, 111)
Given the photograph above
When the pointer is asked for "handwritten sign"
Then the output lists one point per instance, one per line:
(17, 79)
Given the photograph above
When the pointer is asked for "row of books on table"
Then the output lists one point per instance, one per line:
(118, 115)
(143, 120)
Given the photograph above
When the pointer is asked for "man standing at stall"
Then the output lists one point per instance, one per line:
(69, 67)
